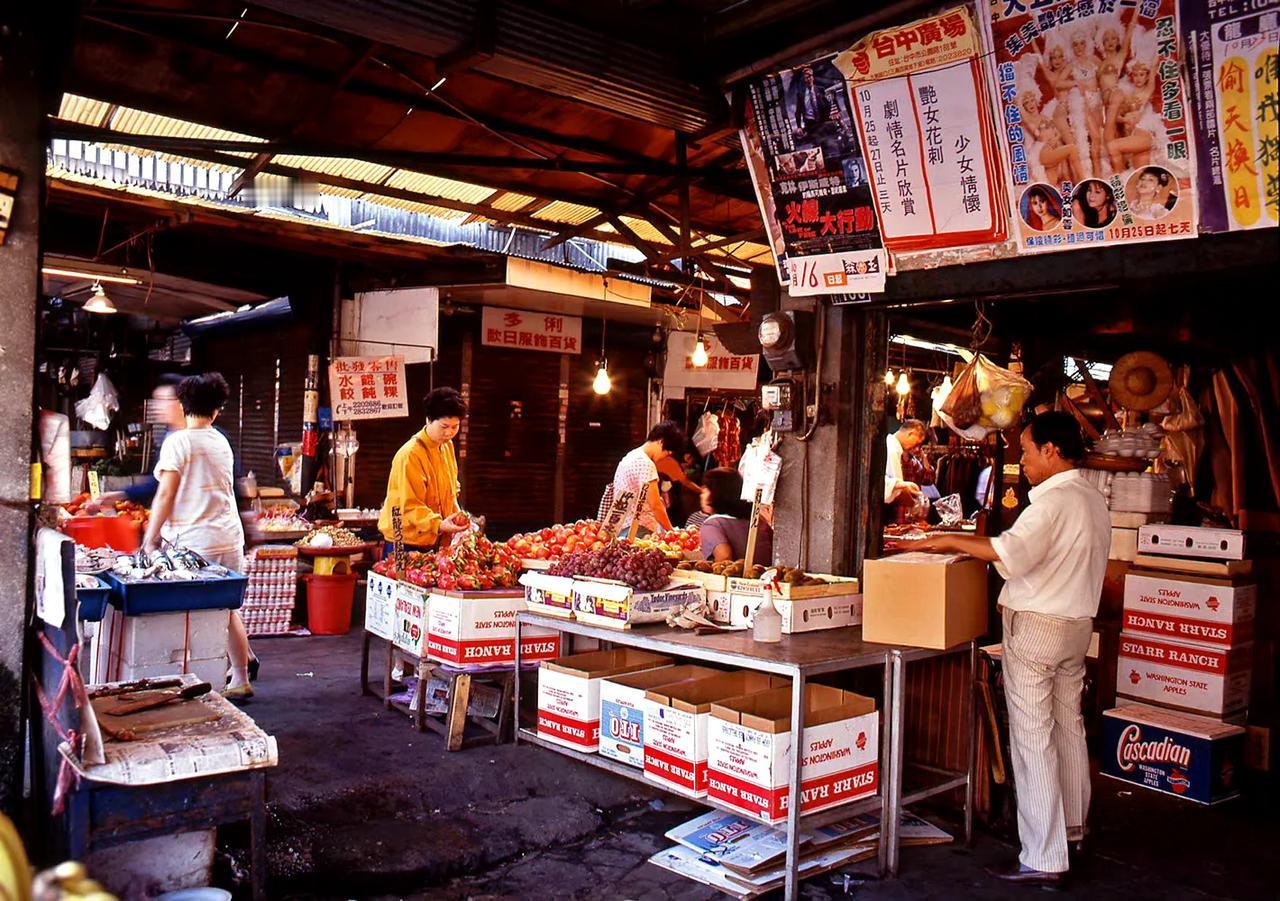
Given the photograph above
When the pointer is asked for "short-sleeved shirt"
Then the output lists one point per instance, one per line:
(628, 500)
(204, 517)
(721, 529)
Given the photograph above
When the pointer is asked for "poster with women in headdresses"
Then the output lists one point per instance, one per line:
(1094, 120)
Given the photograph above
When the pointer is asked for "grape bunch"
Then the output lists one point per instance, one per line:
(643, 570)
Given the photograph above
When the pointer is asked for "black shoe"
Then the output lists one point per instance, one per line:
(253, 669)
(1015, 874)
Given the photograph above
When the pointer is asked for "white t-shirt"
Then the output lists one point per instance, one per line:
(634, 473)
(204, 517)
(892, 467)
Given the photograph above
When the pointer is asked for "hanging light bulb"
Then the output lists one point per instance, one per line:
(602, 383)
(699, 357)
(99, 302)
(904, 384)
(889, 377)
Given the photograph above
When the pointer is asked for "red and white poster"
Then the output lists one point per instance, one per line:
(920, 96)
(367, 388)
(524, 330)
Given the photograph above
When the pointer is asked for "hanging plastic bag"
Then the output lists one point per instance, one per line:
(984, 398)
(103, 400)
(706, 437)
(1184, 434)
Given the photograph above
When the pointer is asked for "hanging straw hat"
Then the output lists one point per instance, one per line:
(1141, 380)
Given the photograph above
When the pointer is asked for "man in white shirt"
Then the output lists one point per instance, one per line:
(910, 435)
(1053, 560)
(634, 496)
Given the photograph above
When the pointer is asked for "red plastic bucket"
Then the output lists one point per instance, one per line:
(122, 533)
(329, 601)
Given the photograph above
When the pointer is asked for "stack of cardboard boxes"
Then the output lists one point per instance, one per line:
(1185, 654)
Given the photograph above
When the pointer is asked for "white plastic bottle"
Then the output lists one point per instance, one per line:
(768, 621)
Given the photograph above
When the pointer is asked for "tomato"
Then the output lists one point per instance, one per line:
(542, 553)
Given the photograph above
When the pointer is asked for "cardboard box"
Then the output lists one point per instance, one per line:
(831, 587)
(924, 600)
(622, 708)
(409, 627)
(158, 644)
(801, 615)
(1192, 677)
(1195, 566)
(380, 606)
(1191, 541)
(569, 693)
(1124, 544)
(749, 751)
(1122, 520)
(615, 605)
(1186, 756)
(478, 628)
(552, 595)
(675, 726)
(1190, 608)
(709, 581)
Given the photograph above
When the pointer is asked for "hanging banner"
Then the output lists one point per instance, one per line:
(920, 97)
(530, 331)
(723, 370)
(811, 182)
(1234, 80)
(1095, 122)
(367, 388)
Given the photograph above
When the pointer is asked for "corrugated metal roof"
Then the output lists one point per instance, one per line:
(509, 202)
(414, 207)
(441, 187)
(136, 121)
(645, 230)
(75, 108)
(566, 213)
(357, 170)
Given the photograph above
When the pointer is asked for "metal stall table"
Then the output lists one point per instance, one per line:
(798, 657)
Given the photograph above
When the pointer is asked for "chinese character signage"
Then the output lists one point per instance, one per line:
(1231, 49)
(723, 369)
(524, 330)
(367, 388)
(919, 94)
(1094, 121)
(811, 181)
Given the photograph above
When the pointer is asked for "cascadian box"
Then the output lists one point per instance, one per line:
(1190, 608)
(749, 751)
(552, 595)
(409, 625)
(622, 708)
(569, 693)
(924, 600)
(675, 726)
(616, 605)
(479, 629)
(798, 615)
(1194, 677)
(1187, 756)
(380, 606)
(1191, 541)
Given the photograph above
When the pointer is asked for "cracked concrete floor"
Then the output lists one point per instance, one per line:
(362, 806)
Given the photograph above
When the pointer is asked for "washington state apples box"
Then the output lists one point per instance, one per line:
(616, 605)
(552, 595)
(1193, 677)
(622, 708)
(569, 693)
(749, 751)
(1191, 541)
(1186, 756)
(380, 606)
(799, 615)
(1190, 608)
(478, 628)
(675, 726)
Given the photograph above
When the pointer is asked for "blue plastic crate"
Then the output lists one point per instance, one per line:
(93, 601)
(137, 598)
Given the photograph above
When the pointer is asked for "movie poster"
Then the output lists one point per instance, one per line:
(1232, 56)
(1095, 121)
(811, 181)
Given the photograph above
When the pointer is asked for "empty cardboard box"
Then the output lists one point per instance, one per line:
(569, 693)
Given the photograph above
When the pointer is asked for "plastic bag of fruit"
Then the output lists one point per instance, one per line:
(984, 398)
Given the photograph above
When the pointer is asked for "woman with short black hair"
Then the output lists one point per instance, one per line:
(728, 523)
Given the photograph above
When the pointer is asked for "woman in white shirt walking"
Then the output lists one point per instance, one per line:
(195, 503)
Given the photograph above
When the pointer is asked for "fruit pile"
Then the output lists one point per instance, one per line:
(642, 569)
(739, 569)
(676, 543)
(471, 563)
(556, 541)
(329, 536)
(136, 512)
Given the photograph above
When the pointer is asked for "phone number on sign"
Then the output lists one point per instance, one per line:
(362, 408)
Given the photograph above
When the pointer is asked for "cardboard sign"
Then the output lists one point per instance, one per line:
(380, 606)
(368, 388)
(409, 629)
(524, 330)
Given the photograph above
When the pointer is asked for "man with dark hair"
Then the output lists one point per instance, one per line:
(1053, 560)
(910, 435)
(634, 497)
(423, 481)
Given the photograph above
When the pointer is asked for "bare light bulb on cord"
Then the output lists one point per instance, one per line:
(904, 384)
(602, 384)
(699, 357)
(889, 378)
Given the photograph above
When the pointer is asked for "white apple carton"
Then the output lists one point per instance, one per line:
(622, 708)
(616, 605)
(380, 606)
(549, 595)
(1197, 609)
(675, 726)
(798, 615)
(569, 693)
(478, 629)
(1192, 677)
(750, 753)
(1191, 541)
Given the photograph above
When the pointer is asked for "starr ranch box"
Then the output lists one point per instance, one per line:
(569, 693)
(749, 751)
(478, 628)
(622, 708)
(1198, 609)
(1194, 677)
(1186, 756)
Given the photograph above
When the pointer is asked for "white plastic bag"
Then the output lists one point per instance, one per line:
(707, 435)
(984, 398)
(103, 400)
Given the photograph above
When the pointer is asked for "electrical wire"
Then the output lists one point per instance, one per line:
(821, 341)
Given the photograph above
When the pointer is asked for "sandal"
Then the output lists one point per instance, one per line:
(239, 695)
